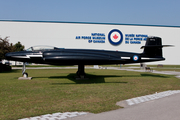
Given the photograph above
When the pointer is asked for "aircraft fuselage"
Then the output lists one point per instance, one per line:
(80, 56)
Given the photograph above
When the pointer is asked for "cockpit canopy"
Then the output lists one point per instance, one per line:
(41, 47)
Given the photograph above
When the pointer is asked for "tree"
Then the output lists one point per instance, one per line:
(5, 47)
(18, 47)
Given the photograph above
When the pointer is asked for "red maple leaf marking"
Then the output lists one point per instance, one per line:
(115, 36)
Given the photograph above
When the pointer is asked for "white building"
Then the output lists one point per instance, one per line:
(92, 36)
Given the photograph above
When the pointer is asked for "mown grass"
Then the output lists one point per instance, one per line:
(52, 91)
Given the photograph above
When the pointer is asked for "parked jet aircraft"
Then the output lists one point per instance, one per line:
(57, 56)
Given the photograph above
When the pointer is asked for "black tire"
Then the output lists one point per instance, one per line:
(25, 74)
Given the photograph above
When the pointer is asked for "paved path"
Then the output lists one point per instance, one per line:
(167, 108)
(177, 74)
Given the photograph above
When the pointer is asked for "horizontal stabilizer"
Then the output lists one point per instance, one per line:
(157, 46)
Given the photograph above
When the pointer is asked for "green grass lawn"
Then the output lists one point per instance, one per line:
(53, 90)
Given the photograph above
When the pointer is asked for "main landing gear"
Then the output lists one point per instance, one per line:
(80, 73)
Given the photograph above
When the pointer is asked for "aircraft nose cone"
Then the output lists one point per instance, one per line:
(8, 55)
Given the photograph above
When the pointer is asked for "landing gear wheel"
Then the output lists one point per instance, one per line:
(25, 74)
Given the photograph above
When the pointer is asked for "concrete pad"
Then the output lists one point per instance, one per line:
(81, 78)
(123, 104)
(178, 76)
(58, 116)
(24, 78)
(146, 98)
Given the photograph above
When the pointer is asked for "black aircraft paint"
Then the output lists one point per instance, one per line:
(56, 56)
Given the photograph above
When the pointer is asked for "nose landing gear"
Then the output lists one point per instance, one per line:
(24, 73)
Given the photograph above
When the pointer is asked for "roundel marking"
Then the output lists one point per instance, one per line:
(135, 58)
(115, 37)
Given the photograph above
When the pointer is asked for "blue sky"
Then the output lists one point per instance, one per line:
(148, 12)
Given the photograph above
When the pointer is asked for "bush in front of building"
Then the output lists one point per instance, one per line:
(4, 67)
